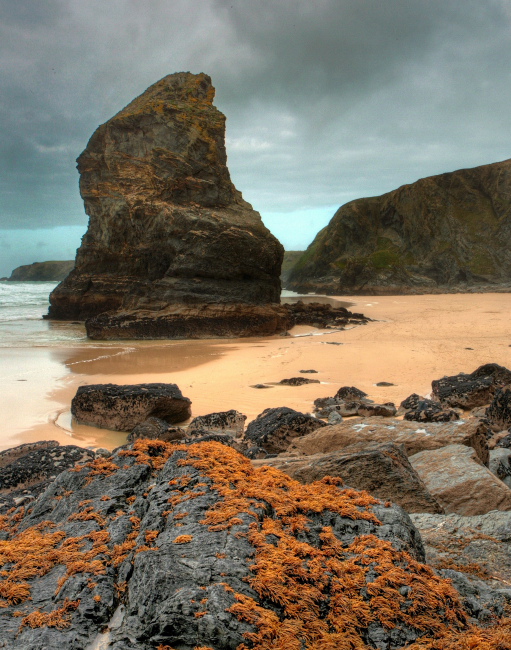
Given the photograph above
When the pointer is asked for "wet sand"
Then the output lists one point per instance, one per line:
(414, 340)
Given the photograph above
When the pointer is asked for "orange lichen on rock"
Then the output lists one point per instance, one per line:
(183, 539)
(59, 618)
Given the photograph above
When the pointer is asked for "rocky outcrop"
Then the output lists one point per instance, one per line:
(460, 482)
(383, 470)
(122, 408)
(275, 428)
(42, 272)
(169, 234)
(450, 232)
(414, 437)
(231, 423)
(170, 546)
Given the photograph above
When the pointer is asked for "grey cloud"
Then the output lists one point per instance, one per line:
(325, 101)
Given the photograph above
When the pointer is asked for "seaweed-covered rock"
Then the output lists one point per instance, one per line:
(275, 428)
(427, 410)
(350, 393)
(189, 546)
(121, 408)
(383, 470)
(298, 381)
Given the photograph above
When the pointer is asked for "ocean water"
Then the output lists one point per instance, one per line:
(22, 305)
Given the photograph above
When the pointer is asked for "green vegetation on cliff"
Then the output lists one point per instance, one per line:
(446, 232)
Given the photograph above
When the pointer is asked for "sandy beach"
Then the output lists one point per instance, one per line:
(413, 340)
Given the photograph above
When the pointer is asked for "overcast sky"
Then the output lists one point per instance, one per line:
(326, 100)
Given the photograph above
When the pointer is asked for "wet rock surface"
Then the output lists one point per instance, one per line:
(122, 408)
(154, 546)
(275, 428)
(322, 315)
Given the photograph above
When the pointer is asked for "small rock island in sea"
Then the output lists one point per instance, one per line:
(172, 250)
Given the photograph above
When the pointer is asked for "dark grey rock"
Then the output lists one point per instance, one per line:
(273, 429)
(499, 411)
(464, 391)
(121, 408)
(305, 372)
(427, 410)
(230, 422)
(298, 381)
(350, 393)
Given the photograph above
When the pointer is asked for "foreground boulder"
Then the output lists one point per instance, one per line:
(383, 470)
(472, 390)
(121, 408)
(171, 246)
(460, 482)
(274, 429)
(413, 436)
(450, 232)
(185, 547)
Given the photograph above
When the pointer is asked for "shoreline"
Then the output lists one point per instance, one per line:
(413, 340)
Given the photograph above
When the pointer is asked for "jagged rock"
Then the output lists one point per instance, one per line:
(463, 390)
(427, 410)
(27, 470)
(42, 272)
(460, 482)
(167, 545)
(383, 470)
(499, 374)
(479, 546)
(121, 408)
(442, 233)
(274, 428)
(169, 235)
(229, 422)
(387, 410)
(350, 393)
(500, 464)
(411, 403)
(413, 436)
(499, 411)
(156, 429)
(298, 381)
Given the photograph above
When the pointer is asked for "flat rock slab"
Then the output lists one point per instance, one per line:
(479, 546)
(457, 478)
(414, 436)
(383, 470)
(121, 408)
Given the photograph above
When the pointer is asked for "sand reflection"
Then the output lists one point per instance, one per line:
(140, 358)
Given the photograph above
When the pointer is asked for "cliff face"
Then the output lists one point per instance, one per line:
(167, 226)
(442, 233)
(42, 271)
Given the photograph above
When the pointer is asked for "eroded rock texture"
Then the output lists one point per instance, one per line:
(167, 230)
(188, 547)
(450, 232)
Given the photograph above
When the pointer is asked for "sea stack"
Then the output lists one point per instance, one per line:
(172, 250)
(441, 234)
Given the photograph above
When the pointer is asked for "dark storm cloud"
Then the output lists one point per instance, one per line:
(326, 100)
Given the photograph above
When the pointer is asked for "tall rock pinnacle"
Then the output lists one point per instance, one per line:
(168, 231)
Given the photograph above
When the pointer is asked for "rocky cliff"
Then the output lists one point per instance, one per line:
(167, 230)
(42, 271)
(450, 232)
